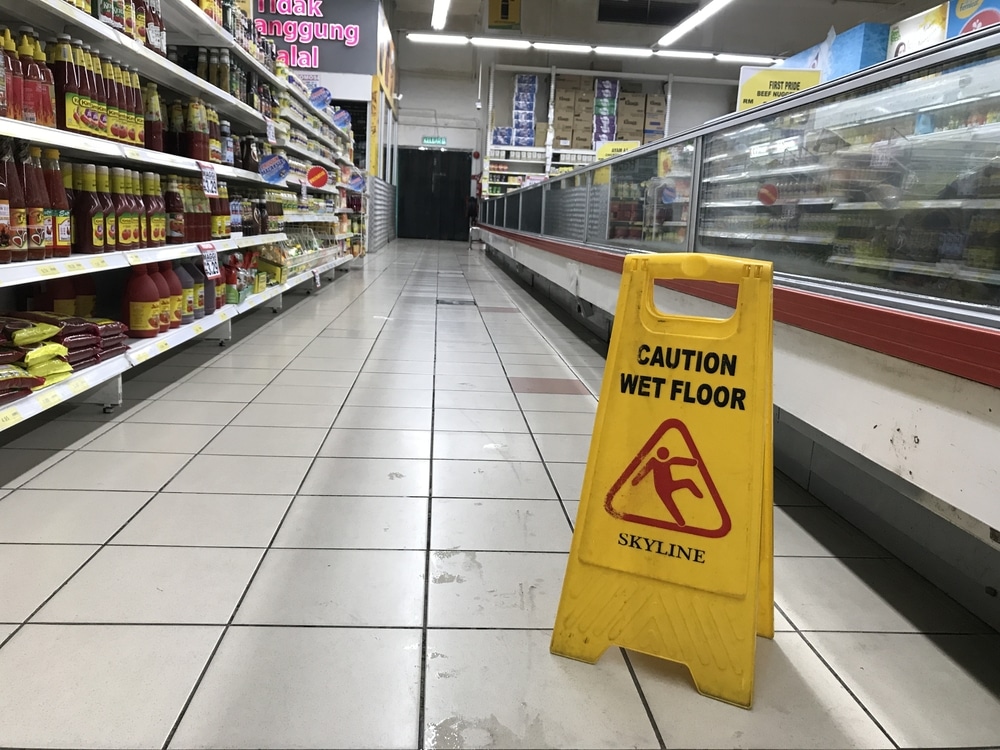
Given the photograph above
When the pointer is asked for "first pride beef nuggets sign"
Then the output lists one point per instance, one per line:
(672, 550)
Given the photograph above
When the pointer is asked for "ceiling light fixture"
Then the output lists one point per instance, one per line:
(439, 16)
(559, 47)
(500, 42)
(624, 51)
(685, 55)
(437, 38)
(695, 19)
(747, 59)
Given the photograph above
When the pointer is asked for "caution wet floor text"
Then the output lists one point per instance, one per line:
(672, 552)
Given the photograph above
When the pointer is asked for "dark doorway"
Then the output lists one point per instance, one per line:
(433, 194)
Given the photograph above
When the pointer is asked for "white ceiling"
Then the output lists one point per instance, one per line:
(769, 27)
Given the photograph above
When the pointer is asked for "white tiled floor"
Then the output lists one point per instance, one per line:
(349, 529)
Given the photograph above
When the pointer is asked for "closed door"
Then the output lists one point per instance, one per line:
(433, 194)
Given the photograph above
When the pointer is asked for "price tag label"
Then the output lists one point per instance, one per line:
(98, 263)
(209, 180)
(132, 153)
(48, 271)
(48, 400)
(271, 137)
(142, 356)
(133, 259)
(78, 386)
(9, 418)
(199, 329)
(223, 316)
(210, 261)
(75, 267)
(163, 346)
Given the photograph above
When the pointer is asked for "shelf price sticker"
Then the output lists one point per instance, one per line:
(48, 400)
(9, 418)
(142, 356)
(163, 346)
(209, 180)
(199, 329)
(210, 260)
(133, 259)
(75, 267)
(271, 136)
(48, 271)
(78, 386)
(98, 263)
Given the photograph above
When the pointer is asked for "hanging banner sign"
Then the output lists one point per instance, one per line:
(341, 36)
(672, 551)
(505, 14)
(765, 85)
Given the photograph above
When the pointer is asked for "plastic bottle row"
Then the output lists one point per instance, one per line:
(217, 68)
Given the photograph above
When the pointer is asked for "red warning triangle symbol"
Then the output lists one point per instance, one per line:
(667, 485)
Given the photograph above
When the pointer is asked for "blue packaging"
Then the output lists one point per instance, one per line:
(606, 88)
(525, 83)
(503, 136)
(524, 141)
(966, 16)
(524, 100)
(524, 118)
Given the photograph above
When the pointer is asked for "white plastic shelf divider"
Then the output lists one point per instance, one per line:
(55, 15)
(54, 395)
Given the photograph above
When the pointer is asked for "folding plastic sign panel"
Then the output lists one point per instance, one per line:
(672, 553)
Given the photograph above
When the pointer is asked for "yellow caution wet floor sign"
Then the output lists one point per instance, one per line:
(672, 552)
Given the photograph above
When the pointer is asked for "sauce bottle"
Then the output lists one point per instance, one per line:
(109, 214)
(153, 121)
(88, 83)
(227, 212)
(18, 210)
(5, 230)
(67, 81)
(164, 292)
(54, 184)
(127, 100)
(14, 77)
(105, 11)
(63, 296)
(101, 94)
(114, 128)
(174, 212)
(36, 199)
(152, 27)
(34, 82)
(138, 113)
(198, 279)
(123, 111)
(148, 228)
(214, 137)
(141, 305)
(86, 295)
(129, 18)
(141, 19)
(141, 219)
(47, 102)
(187, 292)
(176, 292)
(119, 207)
(210, 292)
(159, 220)
(78, 118)
(88, 210)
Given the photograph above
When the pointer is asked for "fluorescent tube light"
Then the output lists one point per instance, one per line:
(499, 41)
(624, 51)
(747, 59)
(437, 38)
(695, 19)
(685, 55)
(554, 47)
(439, 16)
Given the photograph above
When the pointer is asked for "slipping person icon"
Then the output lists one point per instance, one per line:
(662, 469)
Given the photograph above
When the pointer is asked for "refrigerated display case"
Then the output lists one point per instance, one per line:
(883, 185)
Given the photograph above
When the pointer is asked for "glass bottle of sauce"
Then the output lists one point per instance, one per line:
(226, 133)
(67, 80)
(88, 82)
(225, 82)
(227, 212)
(152, 26)
(18, 209)
(112, 241)
(141, 217)
(67, 174)
(101, 88)
(153, 121)
(138, 113)
(149, 210)
(187, 293)
(214, 137)
(129, 17)
(88, 210)
(120, 206)
(112, 107)
(174, 205)
(198, 278)
(36, 199)
(61, 228)
(14, 75)
(47, 102)
(141, 19)
(120, 90)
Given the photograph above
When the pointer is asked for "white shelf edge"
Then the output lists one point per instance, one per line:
(142, 350)
(309, 130)
(310, 218)
(311, 156)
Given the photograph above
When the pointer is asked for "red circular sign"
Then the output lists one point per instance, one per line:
(768, 194)
(317, 176)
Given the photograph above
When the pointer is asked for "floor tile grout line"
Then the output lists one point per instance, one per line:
(836, 676)
(422, 704)
(264, 553)
(642, 697)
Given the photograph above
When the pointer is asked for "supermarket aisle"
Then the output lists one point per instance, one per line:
(349, 529)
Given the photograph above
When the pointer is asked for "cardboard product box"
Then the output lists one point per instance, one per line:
(541, 132)
(564, 122)
(568, 83)
(629, 123)
(656, 103)
(653, 123)
(648, 136)
(583, 103)
(565, 100)
(563, 140)
(583, 139)
(632, 101)
(629, 135)
(632, 113)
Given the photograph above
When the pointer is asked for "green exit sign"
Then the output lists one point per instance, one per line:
(435, 140)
